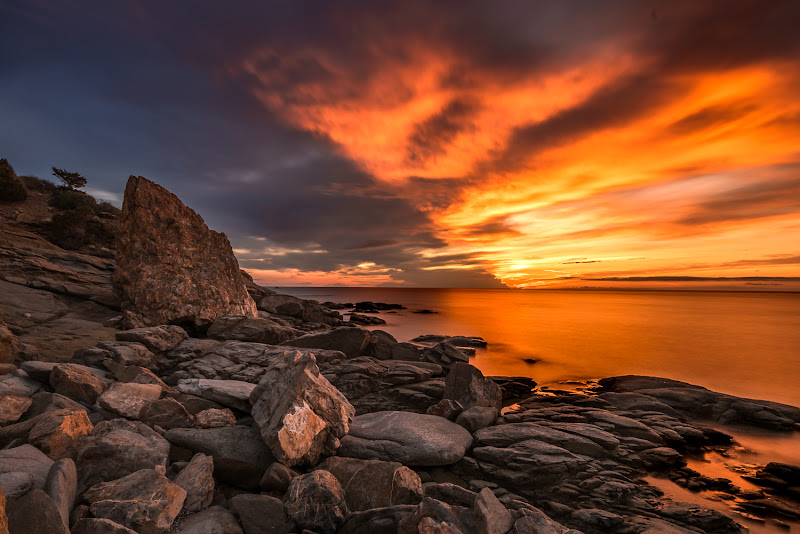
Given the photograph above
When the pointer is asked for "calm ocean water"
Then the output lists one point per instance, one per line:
(745, 344)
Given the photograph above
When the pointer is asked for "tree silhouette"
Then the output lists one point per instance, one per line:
(71, 180)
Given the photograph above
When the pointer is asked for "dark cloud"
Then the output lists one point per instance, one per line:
(493, 227)
(754, 201)
(431, 137)
(711, 116)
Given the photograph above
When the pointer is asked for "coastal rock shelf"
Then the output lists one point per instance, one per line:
(271, 415)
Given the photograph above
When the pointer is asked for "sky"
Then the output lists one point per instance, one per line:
(524, 144)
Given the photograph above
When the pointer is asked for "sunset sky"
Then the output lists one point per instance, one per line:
(644, 144)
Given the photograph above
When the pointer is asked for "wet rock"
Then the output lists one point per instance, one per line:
(240, 456)
(77, 383)
(117, 448)
(253, 329)
(261, 514)
(214, 418)
(128, 399)
(277, 477)
(12, 407)
(212, 520)
(144, 500)
(233, 393)
(155, 338)
(514, 387)
(447, 408)
(26, 459)
(412, 439)
(62, 486)
(316, 501)
(385, 347)
(301, 416)
(374, 483)
(34, 513)
(93, 525)
(477, 417)
(59, 433)
(356, 318)
(167, 413)
(351, 341)
(705, 519)
(491, 517)
(198, 481)
(171, 269)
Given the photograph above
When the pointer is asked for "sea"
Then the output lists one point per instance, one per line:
(741, 343)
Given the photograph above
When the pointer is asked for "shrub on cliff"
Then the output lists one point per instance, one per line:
(11, 188)
(34, 183)
(77, 228)
(66, 199)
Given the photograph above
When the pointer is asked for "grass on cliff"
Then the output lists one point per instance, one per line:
(11, 187)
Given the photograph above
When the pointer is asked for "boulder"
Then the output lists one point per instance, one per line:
(373, 483)
(410, 438)
(351, 341)
(34, 513)
(212, 520)
(316, 501)
(261, 514)
(12, 407)
(432, 516)
(233, 393)
(62, 486)
(45, 401)
(214, 418)
(301, 416)
(198, 481)
(467, 385)
(127, 353)
(240, 456)
(93, 525)
(377, 521)
(9, 344)
(171, 269)
(26, 459)
(303, 310)
(277, 477)
(58, 433)
(477, 417)
(18, 483)
(139, 375)
(75, 382)
(128, 399)
(491, 517)
(145, 501)
(534, 521)
(167, 413)
(254, 329)
(117, 448)
(385, 347)
(19, 384)
(450, 493)
(156, 338)
(447, 408)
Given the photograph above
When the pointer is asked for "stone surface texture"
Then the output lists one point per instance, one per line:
(171, 269)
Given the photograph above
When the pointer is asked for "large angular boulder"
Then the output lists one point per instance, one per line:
(156, 338)
(491, 517)
(117, 448)
(467, 385)
(12, 407)
(128, 399)
(373, 483)
(167, 413)
(35, 513)
(144, 501)
(58, 433)
(409, 438)
(198, 481)
(316, 502)
(300, 415)
(26, 459)
(75, 382)
(171, 269)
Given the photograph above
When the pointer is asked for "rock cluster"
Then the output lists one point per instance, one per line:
(284, 420)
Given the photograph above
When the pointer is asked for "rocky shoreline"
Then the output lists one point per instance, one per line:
(167, 392)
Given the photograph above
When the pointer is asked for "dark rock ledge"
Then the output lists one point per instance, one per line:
(282, 420)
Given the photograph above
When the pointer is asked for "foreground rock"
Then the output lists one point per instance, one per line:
(316, 501)
(301, 416)
(171, 269)
(35, 513)
(145, 501)
(408, 438)
(373, 483)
